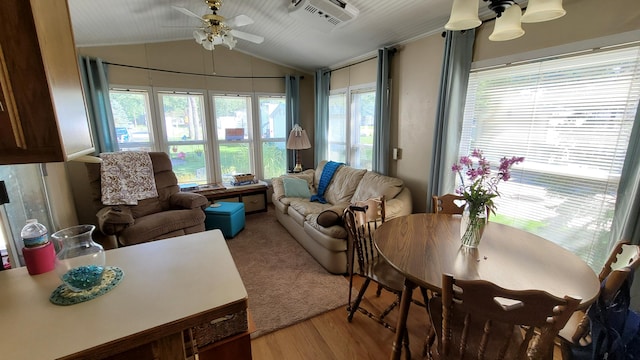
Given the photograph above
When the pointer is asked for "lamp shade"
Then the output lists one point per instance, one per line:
(298, 139)
(464, 15)
(508, 25)
(543, 10)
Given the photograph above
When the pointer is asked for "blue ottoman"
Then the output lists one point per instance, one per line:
(228, 217)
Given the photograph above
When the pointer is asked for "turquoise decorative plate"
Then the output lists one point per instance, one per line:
(65, 296)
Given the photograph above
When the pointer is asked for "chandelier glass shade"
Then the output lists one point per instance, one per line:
(464, 16)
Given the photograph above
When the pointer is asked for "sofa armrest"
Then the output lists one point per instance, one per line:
(188, 200)
(114, 219)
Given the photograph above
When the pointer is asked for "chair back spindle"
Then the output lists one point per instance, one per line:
(361, 222)
(478, 319)
(445, 204)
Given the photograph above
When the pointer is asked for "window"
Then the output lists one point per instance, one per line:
(185, 140)
(571, 119)
(338, 127)
(273, 135)
(232, 119)
(131, 115)
(351, 132)
(207, 142)
(362, 129)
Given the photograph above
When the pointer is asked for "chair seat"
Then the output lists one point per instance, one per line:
(152, 226)
(384, 274)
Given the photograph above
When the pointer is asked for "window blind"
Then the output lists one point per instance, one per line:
(571, 119)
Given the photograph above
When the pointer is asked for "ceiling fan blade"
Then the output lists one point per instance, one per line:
(238, 21)
(187, 12)
(246, 36)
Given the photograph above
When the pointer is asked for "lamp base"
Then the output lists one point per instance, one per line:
(298, 168)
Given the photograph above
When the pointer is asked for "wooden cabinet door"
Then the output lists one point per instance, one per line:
(12, 135)
(42, 78)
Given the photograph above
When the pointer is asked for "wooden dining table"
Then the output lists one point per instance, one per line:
(424, 246)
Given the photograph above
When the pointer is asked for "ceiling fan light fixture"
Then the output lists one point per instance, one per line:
(208, 45)
(229, 41)
(507, 26)
(216, 30)
(199, 35)
(543, 10)
(464, 15)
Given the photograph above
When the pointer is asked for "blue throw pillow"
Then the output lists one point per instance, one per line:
(294, 187)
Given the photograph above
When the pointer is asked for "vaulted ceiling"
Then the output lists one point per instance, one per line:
(288, 40)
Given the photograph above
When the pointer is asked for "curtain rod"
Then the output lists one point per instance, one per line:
(393, 50)
(195, 74)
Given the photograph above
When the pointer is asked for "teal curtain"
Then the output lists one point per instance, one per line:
(96, 87)
(382, 117)
(292, 98)
(321, 130)
(626, 219)
(458, 52)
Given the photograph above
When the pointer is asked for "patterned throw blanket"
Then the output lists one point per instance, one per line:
(327, 174)
(126, 177)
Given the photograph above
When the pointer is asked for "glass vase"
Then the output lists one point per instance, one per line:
(472, 227)
(80, 261)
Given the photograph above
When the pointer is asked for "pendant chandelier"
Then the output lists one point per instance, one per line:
(464, 16)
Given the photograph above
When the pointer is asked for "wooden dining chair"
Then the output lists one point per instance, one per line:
(477, 319)
(576, 331)
(444, 204)
(607, 318)
(361, 222)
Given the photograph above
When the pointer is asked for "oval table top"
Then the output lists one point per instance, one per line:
(424, 246)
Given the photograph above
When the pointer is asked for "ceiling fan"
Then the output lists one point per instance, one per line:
(216, 30)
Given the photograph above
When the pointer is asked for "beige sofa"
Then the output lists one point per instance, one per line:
(300, 216)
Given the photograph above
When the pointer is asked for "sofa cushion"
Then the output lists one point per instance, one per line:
(335, 232)
(344, 184)
(295, 187)
(306, 207)
(278, 186)
(375, 185)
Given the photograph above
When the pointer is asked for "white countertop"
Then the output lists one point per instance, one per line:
(164, 281)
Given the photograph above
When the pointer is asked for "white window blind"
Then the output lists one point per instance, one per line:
(571, 119)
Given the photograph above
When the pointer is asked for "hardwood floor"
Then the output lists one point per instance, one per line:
(330, 336)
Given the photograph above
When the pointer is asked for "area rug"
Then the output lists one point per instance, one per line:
(284, 283)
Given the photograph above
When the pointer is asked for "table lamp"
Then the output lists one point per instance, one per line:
(298, 140)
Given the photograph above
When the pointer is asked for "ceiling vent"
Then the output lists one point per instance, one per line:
(323, 14)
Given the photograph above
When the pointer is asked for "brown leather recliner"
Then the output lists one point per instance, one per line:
(172, 213)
